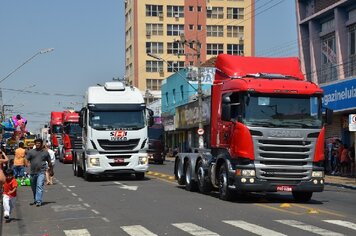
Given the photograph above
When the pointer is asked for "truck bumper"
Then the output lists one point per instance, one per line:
(117, 163)
(248, 184)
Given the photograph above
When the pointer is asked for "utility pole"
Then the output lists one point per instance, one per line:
(197, 50)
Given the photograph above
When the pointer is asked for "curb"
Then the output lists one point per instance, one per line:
(342, 185)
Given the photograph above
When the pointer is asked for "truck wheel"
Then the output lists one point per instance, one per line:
(140, 175)
(180, 173)
(203, 182)
(79, 170)
(302, 196)
(190, 184)
(225, 193)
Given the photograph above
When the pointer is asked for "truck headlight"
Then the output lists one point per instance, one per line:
(94, 161)
(246, 173)
(142, 160)
(318, 174)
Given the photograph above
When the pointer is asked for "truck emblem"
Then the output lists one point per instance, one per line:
(119, 133)
(285, 133)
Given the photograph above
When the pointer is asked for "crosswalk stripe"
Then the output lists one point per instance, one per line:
(309, 228)
(252, 228)
(137, 230)
(343, 223)
(194, 229)
(77, 232)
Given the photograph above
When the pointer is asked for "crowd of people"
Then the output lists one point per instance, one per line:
(40, 160)
(340, 158)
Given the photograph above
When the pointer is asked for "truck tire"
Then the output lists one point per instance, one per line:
(302, 196)
(204, 184)
(79, 170)
(190, 184)
(140, 175)
(225, 193)
(74, 168)
(88, 177)
(180, 173)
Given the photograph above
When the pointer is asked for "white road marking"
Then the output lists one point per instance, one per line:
(86, 204)
(74, 194)
(309, 228)
(79, 199)
(194, 229)
(253, 228)
(77, 232)
(70, 207)
(71, 186)
(96, 212)
(343, 223)
(69, 190)
(105, 219)
(137, 230)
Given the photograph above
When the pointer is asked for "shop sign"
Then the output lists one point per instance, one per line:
(188, 116)
(168, 123)
(352, 122)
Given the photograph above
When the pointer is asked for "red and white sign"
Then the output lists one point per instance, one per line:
(119, 133)
(352, 122)
(200, 131)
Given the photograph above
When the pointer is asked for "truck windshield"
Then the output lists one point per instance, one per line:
(155, 132)
(282, 111)
(57, 129)
(74, 128)
(110, 120)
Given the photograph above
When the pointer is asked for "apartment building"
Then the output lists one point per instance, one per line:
(182, 33)
(327, 43)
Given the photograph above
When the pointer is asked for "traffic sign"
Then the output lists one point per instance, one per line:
(200, 131)
(352, 122)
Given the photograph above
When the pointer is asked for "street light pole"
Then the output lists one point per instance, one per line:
(29, 59)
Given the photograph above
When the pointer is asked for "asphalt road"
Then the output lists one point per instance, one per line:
(158, 206)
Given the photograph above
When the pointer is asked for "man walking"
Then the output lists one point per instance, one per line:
(38, 159)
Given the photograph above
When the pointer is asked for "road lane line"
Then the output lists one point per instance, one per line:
(309, 228)
(77, 232)
(96, 212)
(343, 223)
(86, 204)
(277, 209)
(322, 211)
(74, 194)
(105, 219)
(79, 199)
(252, 228)
(137, 230)
(194, 229)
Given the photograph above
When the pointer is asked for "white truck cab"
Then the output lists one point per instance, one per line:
(114, 123)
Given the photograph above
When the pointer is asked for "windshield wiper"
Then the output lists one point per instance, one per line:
(263, 123)
(295, 124)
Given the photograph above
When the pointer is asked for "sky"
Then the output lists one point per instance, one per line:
(88, 37)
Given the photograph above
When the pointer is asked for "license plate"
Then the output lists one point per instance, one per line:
(284, 188)
(119, 160)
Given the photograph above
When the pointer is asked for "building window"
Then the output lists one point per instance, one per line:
(215, 13)
(215, 31)
(154, 29)
(175, 48)
(153, 84)
(191, 27)
(235, 49)
(175, 11)
(200, 27)
(181, 92)
(235, 13)
(199, 8)
(351, 68)
(174, 96)
(328, 70)
(154, 66)
(174, 30)
(214, 48)
(154, 47)
(167, 98)
(235, 31)
(175, 66)
(191, 8)
(154, 10)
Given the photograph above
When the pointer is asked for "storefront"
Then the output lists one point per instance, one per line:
(340, 97)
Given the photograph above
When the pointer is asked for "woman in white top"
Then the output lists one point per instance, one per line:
(49, 171)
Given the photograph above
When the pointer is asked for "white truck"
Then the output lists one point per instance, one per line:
(114, 123)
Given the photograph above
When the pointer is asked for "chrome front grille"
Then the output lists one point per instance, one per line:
(118, 145)
(283, 158)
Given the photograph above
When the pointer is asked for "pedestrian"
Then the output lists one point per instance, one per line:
(2, 178)
(50, 171)
(9, 194)
(3, 159)
(352, 158)
(20, 161)
(38, 160)
(344, 161)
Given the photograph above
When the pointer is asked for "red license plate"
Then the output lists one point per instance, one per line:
(119, 160)
(284, 188)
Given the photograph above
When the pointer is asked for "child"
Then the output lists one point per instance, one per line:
(9, 193)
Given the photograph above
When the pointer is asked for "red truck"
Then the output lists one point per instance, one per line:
(55, 130)
(266, 132)
(71, 136)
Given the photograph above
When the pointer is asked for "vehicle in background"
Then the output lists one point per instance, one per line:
(71, 136)
(266, 132)
(29, 140)
(55, 130)
(156, 152)
(114, 123)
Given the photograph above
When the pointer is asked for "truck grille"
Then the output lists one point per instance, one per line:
(118, 145)
(283, 158)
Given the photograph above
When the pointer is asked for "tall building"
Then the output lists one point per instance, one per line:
(204, 27)
(327, 43)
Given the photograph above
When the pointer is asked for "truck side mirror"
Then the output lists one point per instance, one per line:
(150, 117)
(226, 109)
(329, 116)
(82, 118)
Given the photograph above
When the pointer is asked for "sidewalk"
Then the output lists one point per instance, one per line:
(345, 182)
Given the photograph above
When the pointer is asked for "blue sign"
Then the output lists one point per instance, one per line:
(340, 96)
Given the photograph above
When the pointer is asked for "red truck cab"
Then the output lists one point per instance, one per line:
(71, 135)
